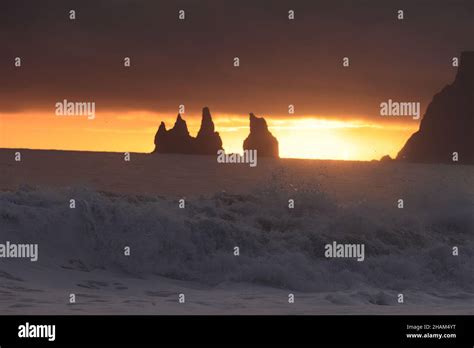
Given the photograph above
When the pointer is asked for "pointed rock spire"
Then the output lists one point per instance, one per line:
(160, 134)
(178, 140)
(180, 126)
(207, 126)
(175, 140)
(207, 141)
(260, 138)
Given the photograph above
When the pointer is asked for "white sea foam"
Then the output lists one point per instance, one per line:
(279, 247)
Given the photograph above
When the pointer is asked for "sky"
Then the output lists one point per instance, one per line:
(190, 62)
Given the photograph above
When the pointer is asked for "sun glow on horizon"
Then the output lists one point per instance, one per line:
(311, 137)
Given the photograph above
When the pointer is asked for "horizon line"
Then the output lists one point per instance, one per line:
(185, 154)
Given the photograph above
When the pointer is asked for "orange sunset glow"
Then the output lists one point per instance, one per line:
(304, 136)
(332, 62)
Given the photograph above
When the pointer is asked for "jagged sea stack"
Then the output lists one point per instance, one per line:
(175, 140)
(178, 140)
(447, 128)
(207, 142)
(260, 138)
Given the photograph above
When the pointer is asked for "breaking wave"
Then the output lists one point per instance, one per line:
(279, 247)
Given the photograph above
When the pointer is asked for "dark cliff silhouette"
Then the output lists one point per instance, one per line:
(178, 140)
(260, 138)
(175, 140)
(448, 124)
(207, 142)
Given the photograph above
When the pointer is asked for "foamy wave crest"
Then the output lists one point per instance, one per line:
(279, 247)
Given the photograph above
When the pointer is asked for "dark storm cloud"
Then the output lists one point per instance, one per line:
(282, 62)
